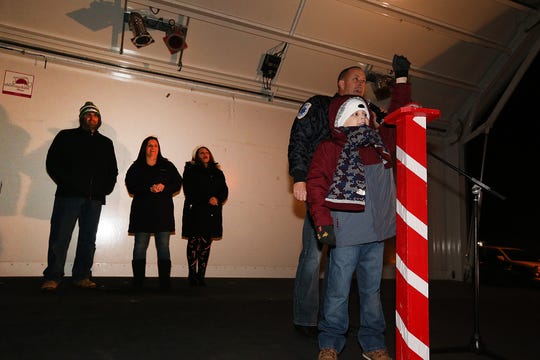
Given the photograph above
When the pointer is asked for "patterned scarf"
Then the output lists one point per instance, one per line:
(349, 184)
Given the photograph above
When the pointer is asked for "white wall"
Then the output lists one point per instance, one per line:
(262, 222)
(247, 134)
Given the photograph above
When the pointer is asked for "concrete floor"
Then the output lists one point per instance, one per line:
(239, 319)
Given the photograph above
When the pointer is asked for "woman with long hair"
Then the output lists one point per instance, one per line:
(152, 181)
(205, 190)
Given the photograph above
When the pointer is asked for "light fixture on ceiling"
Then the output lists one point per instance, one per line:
(141, 37)
(175, 39)
(175, 34)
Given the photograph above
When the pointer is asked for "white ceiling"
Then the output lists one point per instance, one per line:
(465, 54)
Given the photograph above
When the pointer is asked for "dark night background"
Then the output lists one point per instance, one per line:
(511, 169)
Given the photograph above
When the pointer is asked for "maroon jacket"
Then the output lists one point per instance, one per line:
(326, 156)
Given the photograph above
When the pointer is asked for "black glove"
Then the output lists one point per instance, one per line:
(401, 66)
(326, 235)
(378, 111)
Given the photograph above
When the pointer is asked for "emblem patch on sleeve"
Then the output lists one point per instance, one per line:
(303, 110)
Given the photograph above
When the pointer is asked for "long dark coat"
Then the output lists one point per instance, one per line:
(199, 217)
(152, 212)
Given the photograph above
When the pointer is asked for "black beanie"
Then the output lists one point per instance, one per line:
(89, 107)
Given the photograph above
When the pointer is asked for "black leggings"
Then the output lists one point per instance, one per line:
(198, 251)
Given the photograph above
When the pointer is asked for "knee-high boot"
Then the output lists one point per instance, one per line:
(164, 271)
(139, 268)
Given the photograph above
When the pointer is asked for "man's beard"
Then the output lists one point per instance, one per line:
(89, 127)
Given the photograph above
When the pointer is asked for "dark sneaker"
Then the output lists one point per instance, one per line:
(328, 354)
(85, 284)
(49, 285)
(381, 354)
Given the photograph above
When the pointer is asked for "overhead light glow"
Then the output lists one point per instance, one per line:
(121, 75)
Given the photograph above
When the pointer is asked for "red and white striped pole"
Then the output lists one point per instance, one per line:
(412, 289)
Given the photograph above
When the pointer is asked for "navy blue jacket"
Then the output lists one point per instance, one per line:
(309, 128)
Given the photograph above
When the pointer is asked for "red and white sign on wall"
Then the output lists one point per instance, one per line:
(18, 84)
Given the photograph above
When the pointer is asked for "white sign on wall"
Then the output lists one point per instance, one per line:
(18, 84)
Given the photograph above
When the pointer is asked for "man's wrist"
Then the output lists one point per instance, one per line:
(401, 80)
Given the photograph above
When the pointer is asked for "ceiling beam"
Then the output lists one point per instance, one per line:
(385, 9)
(231, 22)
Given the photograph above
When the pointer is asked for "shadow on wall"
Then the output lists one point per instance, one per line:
(14, 141)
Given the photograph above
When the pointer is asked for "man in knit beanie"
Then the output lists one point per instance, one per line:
(86, 119)
(82, 163)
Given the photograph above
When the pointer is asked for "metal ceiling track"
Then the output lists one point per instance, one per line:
(243, 25)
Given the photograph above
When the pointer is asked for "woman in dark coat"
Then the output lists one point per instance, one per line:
(152, 180)
(205, 190)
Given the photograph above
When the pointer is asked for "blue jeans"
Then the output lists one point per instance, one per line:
(66, 212)
(306, 285)
(162, 245)
(367, 261)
